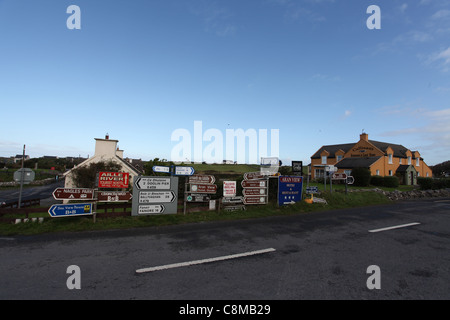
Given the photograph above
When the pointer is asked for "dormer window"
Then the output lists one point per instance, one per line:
(390, 158)
(324, 159)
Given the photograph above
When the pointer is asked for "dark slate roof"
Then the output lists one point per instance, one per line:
(332, 149)
(404, 167)
(399, 150)
(350, 163)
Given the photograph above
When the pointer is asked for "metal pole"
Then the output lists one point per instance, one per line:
(21, 178)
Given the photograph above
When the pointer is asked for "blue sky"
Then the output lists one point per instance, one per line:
(139, 70)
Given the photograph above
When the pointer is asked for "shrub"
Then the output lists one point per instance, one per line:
(377, 181)
(362, 176)
(425, 183)
(390, 182)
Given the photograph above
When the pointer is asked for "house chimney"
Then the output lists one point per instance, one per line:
(107, 136)
(364, 136)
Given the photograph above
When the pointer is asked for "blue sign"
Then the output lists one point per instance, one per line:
(70, 210)
(184, 171)
(310, 190)
(289, 189)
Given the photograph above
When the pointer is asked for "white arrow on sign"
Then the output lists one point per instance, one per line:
(184, 171)
(150, 183)
(151, 209)
(157, 196)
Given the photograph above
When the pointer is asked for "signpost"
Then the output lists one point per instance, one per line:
(157, 196)
(339, 176)
(68, 210)
(113, 179)
(154, 195)
(289, 189)
(311, 190)
(24, 174)
(202, 179)
(153, 183)
(162, 169)
(255, 200)
(253, 176)
(297, 167)
(254, 184)
(114, 196)
(73, 194)
(203, 188)
(229, 188)
(184, 171)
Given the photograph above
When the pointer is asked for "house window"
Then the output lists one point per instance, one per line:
(400, 161)
(338, 158)
(390, 158)
(409, 160)
(378, 172)
(348, 172)
(318, 173)
(390, 173)
(417, 162)
(324, 159)
(427, 174)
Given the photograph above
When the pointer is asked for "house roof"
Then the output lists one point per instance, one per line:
(350, 163)
(332, 149)
(399, 150)
(405, 167)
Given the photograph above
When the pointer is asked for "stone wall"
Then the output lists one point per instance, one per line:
(407, 195)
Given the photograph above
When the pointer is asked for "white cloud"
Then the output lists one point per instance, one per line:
(442, 58)
(441, 14)
(403, 7)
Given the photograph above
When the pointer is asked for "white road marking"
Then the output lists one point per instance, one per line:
(395, 227)
(441, 201)
(190, 263)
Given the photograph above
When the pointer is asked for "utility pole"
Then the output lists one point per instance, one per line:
(22, 173)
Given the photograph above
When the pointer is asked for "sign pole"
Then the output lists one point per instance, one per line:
(21, 178)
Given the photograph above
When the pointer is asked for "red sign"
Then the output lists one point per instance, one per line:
(202, 179)
(253, 176)
(114, 196)
(254, 184)
(255, 200)
(254, 191)
(203, 188)
(113, 179)
(339, 176)
(73, 194)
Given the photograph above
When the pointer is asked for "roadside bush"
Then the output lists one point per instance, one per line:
(425, 183)
(430, 183)
(377, 181)
(362, 176)
(390, 182)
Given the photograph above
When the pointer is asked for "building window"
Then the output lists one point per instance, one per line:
(409, 160)
(324, 159)
(318, 173)
(418, 174)
(428, 174)
(390, 173)
(348, 172)
(400, 161)
(378, 172)
(338, 158)
(417, 162)
(390, 158)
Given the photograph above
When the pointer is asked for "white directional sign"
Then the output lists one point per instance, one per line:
(161, 169)
(151, 209)
(156, 196)
(184, 171)
(153, 183)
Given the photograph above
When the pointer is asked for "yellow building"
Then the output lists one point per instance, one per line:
(381, 158)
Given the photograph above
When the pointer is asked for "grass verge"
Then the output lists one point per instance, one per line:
(336, 200)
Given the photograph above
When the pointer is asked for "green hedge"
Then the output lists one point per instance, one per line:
(390, 182)
(361, 176)
(430, 183)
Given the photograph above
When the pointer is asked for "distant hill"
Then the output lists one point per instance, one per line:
(440, 168)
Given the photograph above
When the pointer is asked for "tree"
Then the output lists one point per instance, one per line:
(85, 177)
(148, 167)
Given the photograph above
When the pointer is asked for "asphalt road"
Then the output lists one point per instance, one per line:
(39, 192)
(313, 256)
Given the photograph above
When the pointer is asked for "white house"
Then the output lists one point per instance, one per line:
(105, 150)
